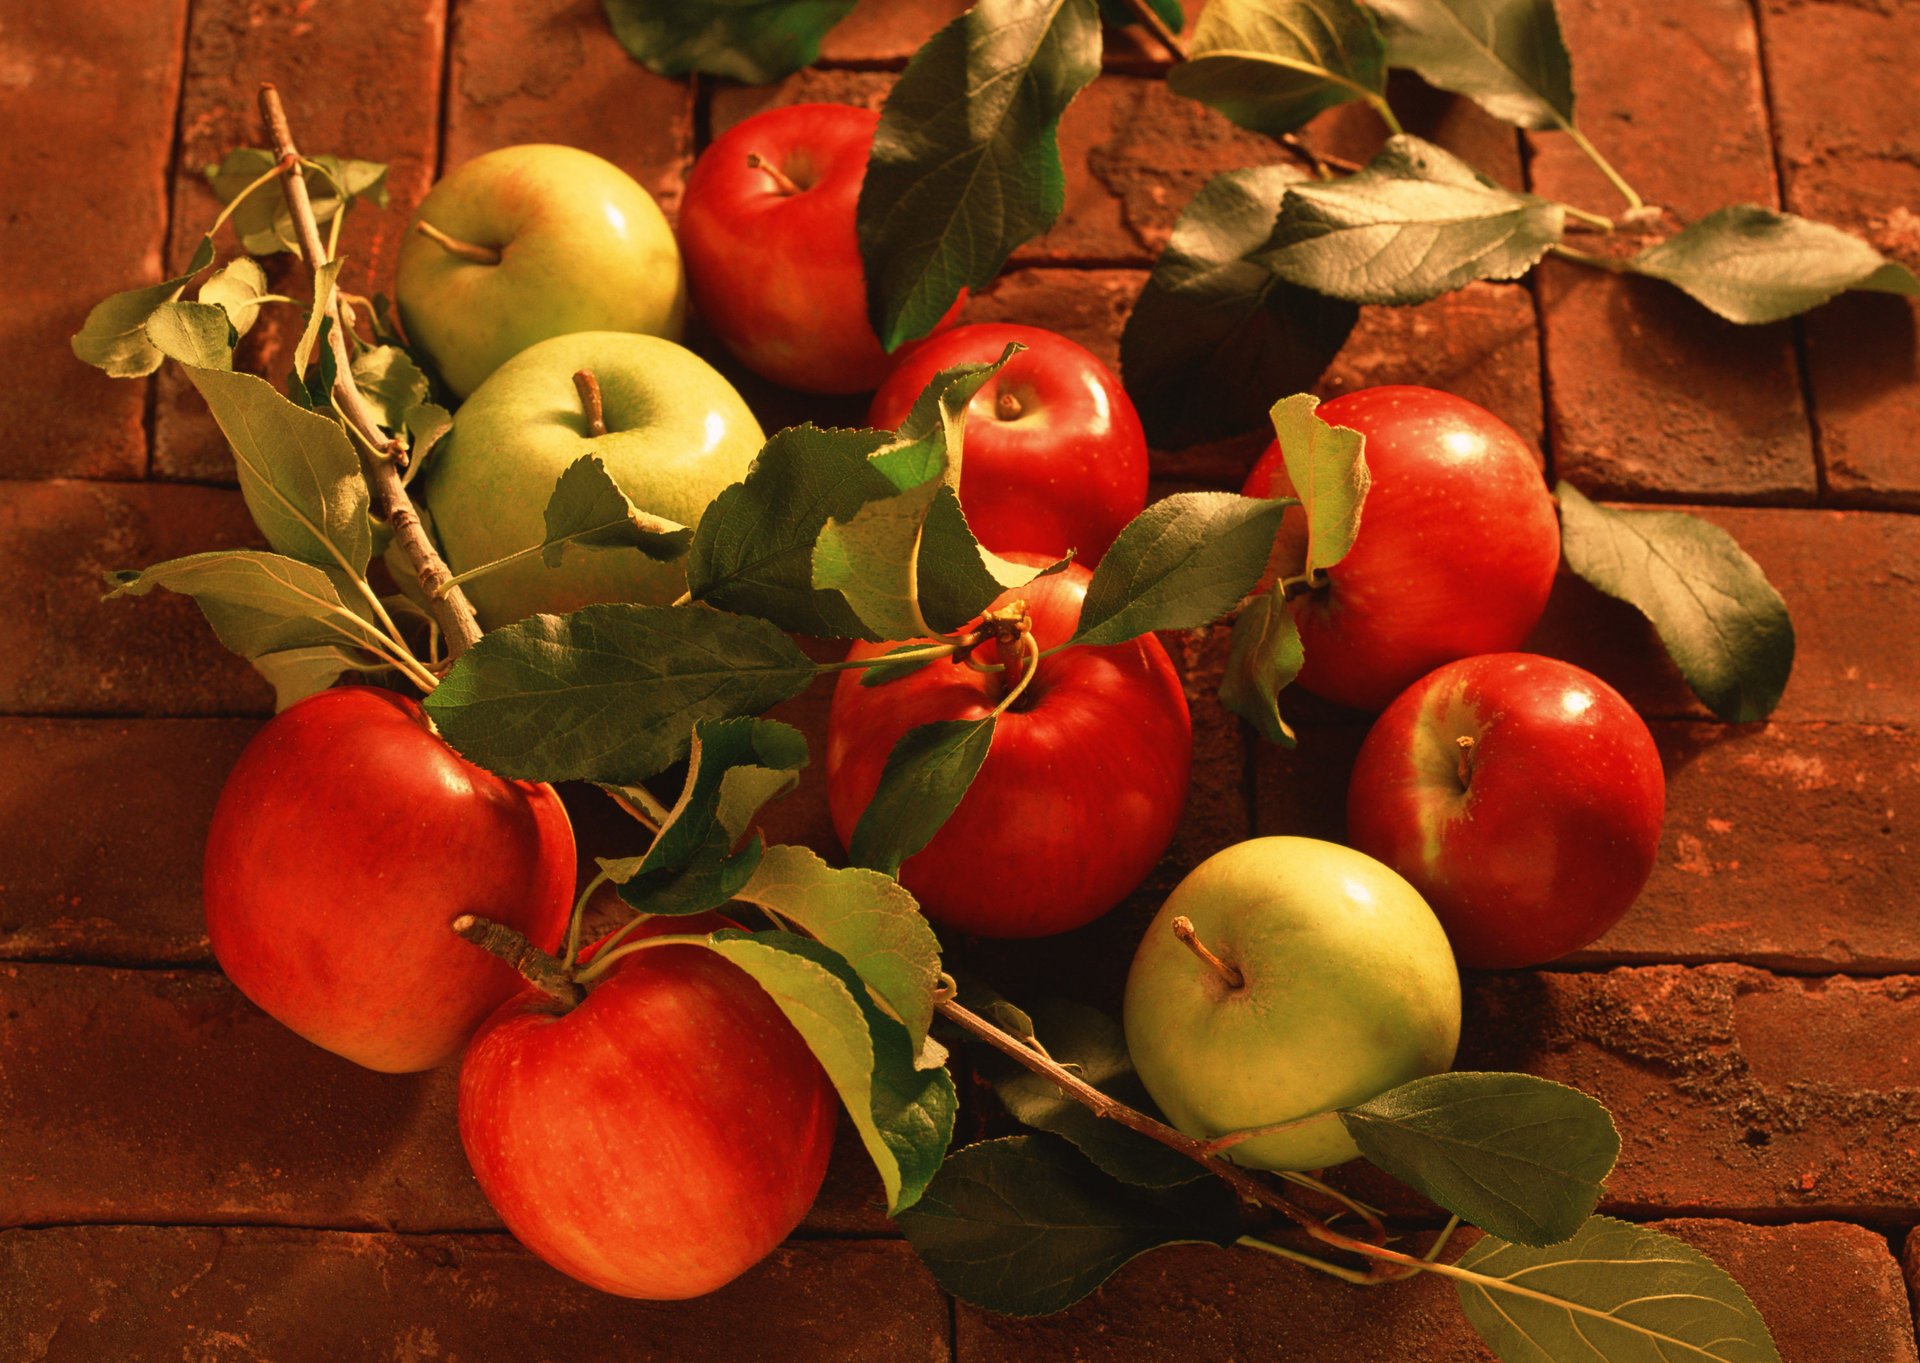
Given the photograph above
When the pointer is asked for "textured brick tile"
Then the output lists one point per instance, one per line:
(66, 650)
(361, 82)
(140, 1294)
(1829, 1292)
(86, 97)
(115, 815)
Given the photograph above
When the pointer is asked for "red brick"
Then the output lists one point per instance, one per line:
(363, 83)
(67, 650)
(86, 96)
(116, 815)
(140, 1294)
(887, 31)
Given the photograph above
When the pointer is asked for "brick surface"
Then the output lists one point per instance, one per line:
(140, 1294)
(67, 650)
(1828, 1292)
(341, 99)
(86, 97)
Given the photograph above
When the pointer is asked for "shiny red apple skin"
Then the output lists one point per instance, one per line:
(1457, 549)
(776, 274)
(345, 841)
(659, 1139)
(1079, 794)
(1055, 459)
(1555, 830)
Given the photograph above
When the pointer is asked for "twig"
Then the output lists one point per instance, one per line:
(1157, 26)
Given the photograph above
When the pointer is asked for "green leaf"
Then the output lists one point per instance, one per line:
(1182, 563)
(1216, 333)
(114, 336)
(315, 393)
(1524, 1158)
(296, 673)
(1327, 466)
(236, 287)
(1262, 661)
(879, 674)
(923, 782)
(904, 1114)
(755, 42)
(1026, 1227)
(1271, 65)
(589, 509)
(864, 916)
(197, 334)
(966, 163)
(610, 693)
(264, 222)
(391, 383)
(958, 576)
(1721, 621)
(1752, 265)
(1119, 13)
(321, 311)
(1613, 1293)
(1507, 56)
(1416, 223)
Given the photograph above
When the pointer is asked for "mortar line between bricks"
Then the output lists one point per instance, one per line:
(1548, 454)
(496, 1232)
(150, 406)
(445, 102)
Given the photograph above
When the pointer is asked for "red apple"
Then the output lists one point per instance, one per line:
(661, 1137)
(1520, 795)
(1079, 793)
(1456, 553)
(1055, 459)
(767, 233)
(347, 838)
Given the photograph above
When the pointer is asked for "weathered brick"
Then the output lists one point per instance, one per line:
(137, 1294)
(361, 82)
(1828, 1292)
(115, 815)
(67, 650)
(86, 99)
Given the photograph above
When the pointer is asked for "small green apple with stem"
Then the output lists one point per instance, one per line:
(531, 242)
(1284, 978)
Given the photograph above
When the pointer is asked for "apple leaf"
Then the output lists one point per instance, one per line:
(1415, 223)
(114, 336)
(1262, 661)
(965, 164)
(1182, 563)
(264, 222)
(589, 509)
(1524, 1158)
(1752, 265)
(1721, 621)
(923, 782)
(237, 288)
(904, 1114)
(196, 334)
(296, 673)
(610, 693)
(1271, 65)
(1025, 1226)
(864, 916)
(879, 674)
(1507, 56)
(1215, 331)
(755, 42)
(958, 576)
(315, 393)
(1614, 1293)
(1327, 466)
(391, 382)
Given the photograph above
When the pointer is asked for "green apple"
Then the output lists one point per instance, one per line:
(677, 433)
(1346, 987)
(526, 243)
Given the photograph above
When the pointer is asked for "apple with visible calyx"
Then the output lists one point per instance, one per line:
(676, 434)
(1080, 791)
(346, 837)
(1456, 552)
(1521, 795)
(660, 1137)
(773, 258)
(1054, 458)
(1330, 982)
(529, 242)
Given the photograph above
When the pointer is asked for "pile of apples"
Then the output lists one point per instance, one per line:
(658, 1130)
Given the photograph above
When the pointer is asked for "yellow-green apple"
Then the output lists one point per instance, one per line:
(529, 242)
(1331, 982)
(345, 840)
(1456, 552)
(676, 434)
(1522, 796)
(1054, 459)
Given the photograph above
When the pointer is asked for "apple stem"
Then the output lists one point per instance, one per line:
(1007, 407)
(1183, 929)
(541, 970)
(780, 179)
(588, 386)
(1465, 766)
(1011, 628)
(466, 250)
